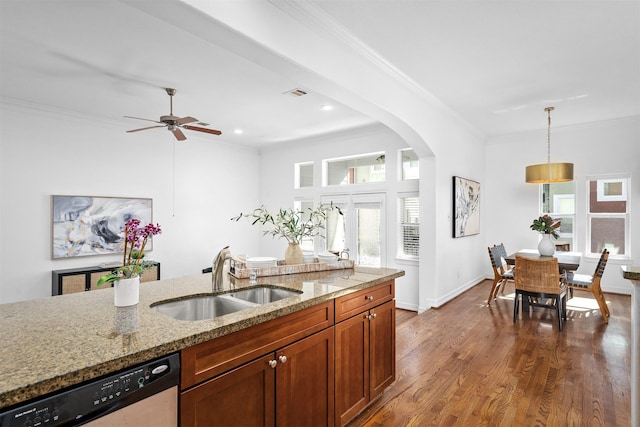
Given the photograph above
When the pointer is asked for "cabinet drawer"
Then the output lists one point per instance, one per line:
(357, 302)
(211, 358)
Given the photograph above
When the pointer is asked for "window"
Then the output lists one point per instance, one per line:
(303, 175)
(558, 200)
(409, 226)
(305, 206)
(355, 170)
(410, 165)
(608, 215)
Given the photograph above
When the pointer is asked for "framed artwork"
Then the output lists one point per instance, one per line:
(90, 225)
(466, 207)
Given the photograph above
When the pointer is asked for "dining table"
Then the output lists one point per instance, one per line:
(567, 261)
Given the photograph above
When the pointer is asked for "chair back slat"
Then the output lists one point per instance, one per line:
(492, 256)
(602, 263)
(497, 253)
(537, 275)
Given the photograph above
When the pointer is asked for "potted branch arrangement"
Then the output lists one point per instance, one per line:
(126, 278)
(294, 225)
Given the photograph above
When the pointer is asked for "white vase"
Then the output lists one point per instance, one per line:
(126, 292)
(546, 247)
(293, 254)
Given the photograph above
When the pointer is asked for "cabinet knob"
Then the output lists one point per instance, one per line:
(373, 316)
(369, 297)
(283, 359)
(273, 363)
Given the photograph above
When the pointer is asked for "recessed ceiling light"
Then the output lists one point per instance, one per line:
(237, 131)
(326, 107)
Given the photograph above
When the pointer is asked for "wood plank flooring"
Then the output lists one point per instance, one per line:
(468, 364)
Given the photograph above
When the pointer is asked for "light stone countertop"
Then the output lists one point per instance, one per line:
(52, 343)
(631, 272)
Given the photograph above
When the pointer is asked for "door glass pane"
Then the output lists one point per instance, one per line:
(368, 237)
(305, 207)
(335, 237)
(608, 233)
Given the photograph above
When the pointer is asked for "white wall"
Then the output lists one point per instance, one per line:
(454, 265)
(594, 148)
(52, 152)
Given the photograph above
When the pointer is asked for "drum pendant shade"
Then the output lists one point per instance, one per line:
(549, 172)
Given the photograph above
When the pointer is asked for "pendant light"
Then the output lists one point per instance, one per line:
(549, 172)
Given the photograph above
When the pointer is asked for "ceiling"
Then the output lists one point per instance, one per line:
(496, 64)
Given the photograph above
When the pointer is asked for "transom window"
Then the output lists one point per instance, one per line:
(355, 170)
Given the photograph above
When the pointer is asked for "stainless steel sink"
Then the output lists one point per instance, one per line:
(263, 294)
(204, 307)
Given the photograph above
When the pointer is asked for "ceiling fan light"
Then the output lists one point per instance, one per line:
(549, 172)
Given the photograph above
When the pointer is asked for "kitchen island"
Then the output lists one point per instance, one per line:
(53, 343)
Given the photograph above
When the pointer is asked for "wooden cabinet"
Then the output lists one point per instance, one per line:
(231, 381)
(305, 382)
(290, 387)
(244, 396)
(365, 349)
(319, 366)
(84, 279)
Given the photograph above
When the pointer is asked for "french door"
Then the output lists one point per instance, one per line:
(360, 229)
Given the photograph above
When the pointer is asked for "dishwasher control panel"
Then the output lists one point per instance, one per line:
(85, 402)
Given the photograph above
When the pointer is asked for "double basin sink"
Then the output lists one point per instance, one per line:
(202, 307)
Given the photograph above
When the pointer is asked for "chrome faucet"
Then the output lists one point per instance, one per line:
(217, 268)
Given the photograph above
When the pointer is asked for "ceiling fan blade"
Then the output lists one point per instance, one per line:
(186, 120)
(212, 131)
(150, 127)
(140, 118)
(178, 134)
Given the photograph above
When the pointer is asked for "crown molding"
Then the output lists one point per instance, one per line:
(68, 115)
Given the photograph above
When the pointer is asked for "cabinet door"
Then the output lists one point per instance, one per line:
(305, 382)
(352, 367)
(382, 328)
(242, 397)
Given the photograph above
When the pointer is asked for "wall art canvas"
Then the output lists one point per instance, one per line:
(89, 225)
(466, 207)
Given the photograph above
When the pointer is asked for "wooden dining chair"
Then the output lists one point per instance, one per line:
(591, 283)
(501, 273)
(539, 280)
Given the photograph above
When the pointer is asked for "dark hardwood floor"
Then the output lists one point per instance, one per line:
(468, 364)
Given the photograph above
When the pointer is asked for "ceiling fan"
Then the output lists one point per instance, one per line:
(174, 123)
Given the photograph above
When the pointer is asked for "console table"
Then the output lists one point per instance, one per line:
(84, 279)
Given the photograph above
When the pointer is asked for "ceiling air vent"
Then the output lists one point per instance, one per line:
(296, 92)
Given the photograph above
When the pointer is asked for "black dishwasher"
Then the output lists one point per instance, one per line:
(131, 392)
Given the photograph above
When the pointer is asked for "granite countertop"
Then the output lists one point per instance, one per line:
(52, 343)
(631, 272)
